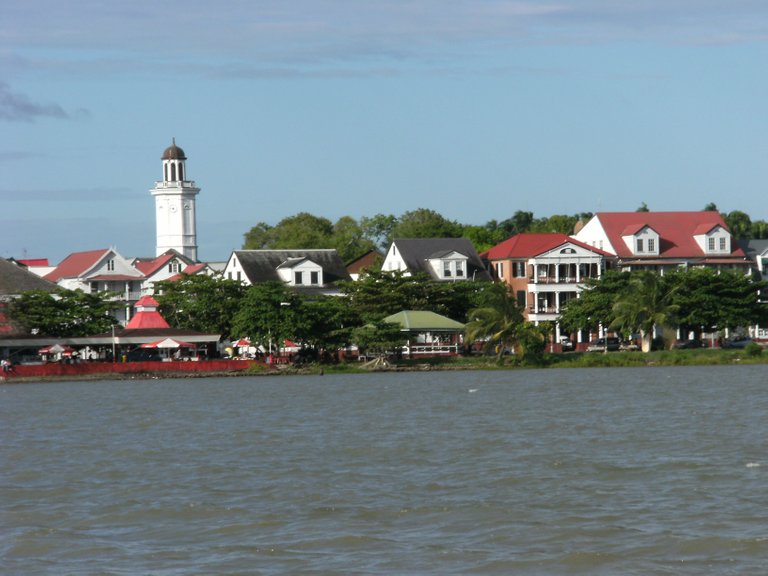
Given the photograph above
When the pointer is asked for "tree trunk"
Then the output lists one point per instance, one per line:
(646, 340)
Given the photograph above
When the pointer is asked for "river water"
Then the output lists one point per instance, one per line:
(606, 471)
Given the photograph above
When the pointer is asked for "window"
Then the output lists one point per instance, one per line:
(521, 299)
(711, 244)
(111, 265)
(239, 278)
(297, 278)
(651, 245)
(446, 269)
(500, 269)
(229, 275)
(314, 277)
(722, 244)
(639, 245)
(173, 267)
(459, 269)
(518, 269)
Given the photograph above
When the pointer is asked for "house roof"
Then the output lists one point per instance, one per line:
(15, 279)
(424, 321)
(676, 231)
(528, 245)
(415, 252)
(75, 265)
(148, 267)
(262, 265)
(754, 248)
(367, 260)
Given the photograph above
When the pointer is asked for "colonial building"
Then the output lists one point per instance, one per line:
(663, 241)
(545, 271)
(444, 259)
(306, 270)
(102, 270)
(175, 206)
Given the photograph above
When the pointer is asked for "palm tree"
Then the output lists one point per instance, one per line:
(498, 322)
(644, 305)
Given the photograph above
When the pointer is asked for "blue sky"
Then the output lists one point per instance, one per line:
(472, 108)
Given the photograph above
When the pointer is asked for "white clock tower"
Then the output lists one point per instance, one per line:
(175, 206)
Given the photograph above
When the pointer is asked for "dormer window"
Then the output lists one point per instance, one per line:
(639, 245)
(111, 265)
(711, 244)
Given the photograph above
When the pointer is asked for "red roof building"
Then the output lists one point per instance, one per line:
(545, 271)
(664, 240)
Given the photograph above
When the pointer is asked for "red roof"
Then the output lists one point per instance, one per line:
(34, 261)
(528, 245)
(75, 265)
(150, 318)
(149, 267)
(676, 231)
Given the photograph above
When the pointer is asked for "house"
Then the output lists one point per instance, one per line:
(371, 260)
(163, 267)
(15, 279)
(757, 252)
(305, 270)
(101, 271)
(545, 271)
(443, 259)
(662, 241)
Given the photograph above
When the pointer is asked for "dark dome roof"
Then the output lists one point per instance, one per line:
(173, 152)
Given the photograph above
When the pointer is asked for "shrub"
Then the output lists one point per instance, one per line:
(753, 349)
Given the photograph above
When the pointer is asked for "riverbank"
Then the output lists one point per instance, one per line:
(233, 368)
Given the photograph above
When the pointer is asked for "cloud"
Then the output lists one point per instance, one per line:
(17, 107)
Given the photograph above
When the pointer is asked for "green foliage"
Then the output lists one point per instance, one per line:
(63, 313)
(717, 299)
(268, 313)
(595, 305)
(499, 322)
(323, 322)
(378, 294)
(200, 302)
(378, 337)
(647, 303)
(424, 223)
(739, 224)
(753, 349)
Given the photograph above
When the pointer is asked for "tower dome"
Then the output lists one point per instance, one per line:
(173, 152)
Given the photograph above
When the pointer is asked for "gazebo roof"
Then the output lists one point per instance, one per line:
(424, 321)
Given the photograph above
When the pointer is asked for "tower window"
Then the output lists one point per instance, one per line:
(181, 171)
(173, 172)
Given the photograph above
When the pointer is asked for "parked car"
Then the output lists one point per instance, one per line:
(737, 342)
(688, 344)
(566, 344)
(611, 344)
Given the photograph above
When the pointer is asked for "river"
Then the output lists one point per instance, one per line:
(599, 472)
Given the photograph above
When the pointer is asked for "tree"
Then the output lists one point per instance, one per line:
(324, 323)
(64, 312)
(647, 304)
(425, 223)
(380, 337)
(498, 322)
(594, 306)
(268, 313)
(200, 302)
(739, 223)
(379, 229)
(709, 298)
(349, 240)
(643, 208)
(710, 207)
(300, 231)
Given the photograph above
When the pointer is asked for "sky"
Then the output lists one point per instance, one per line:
(472, 108)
